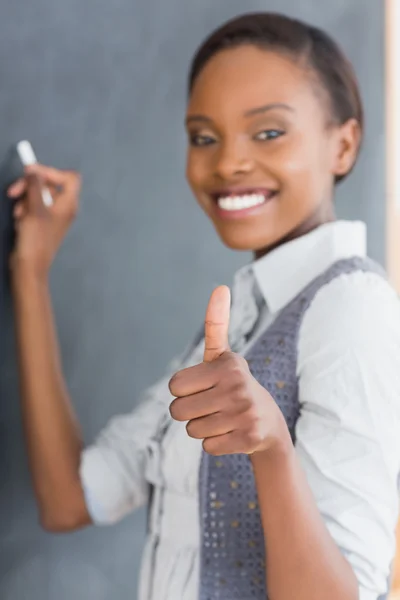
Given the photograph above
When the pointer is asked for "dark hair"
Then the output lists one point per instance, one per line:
(302, 42)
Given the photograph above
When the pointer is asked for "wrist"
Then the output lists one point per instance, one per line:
(279, 459)
(23, 275)
(279, 446)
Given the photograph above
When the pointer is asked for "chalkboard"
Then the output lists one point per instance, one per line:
(100, 86)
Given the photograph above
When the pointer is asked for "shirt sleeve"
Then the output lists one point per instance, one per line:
(115, 471)
(348, 433)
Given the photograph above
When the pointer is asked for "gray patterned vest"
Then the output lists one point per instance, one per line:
(232, 544)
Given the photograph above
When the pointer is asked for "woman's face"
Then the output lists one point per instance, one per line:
(262, 159)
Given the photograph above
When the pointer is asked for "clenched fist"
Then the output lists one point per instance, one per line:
(223, 403)
(41, 229)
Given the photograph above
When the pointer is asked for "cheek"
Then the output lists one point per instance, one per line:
(292, 158)
(301, 165)
(195, 170)
(196, 174)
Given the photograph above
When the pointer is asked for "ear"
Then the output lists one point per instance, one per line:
(347, 144)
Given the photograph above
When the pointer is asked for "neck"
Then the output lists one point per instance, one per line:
(315, 220)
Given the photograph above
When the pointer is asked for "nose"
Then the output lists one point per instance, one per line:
(232, 159)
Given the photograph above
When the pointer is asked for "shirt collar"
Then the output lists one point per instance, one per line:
(285, 271)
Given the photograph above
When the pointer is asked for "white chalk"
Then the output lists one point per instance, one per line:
(47, 197)
(26, 153)
(28, 157)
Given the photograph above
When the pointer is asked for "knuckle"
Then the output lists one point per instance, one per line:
(191, 429)
(174, 409)
(175, 384)
(239, 388)
(252, 436)
(237, 391)
(241, 361)
(250, 420)
(242, 396)
(253, 417)
(238, 366)
(211, 447)
(172, 384)
(238, 361)
(235, 375)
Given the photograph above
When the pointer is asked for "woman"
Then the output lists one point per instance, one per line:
(295, 495)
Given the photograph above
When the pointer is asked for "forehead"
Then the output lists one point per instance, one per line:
(245, 77)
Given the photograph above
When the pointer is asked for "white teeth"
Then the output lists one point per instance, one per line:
(240, 202)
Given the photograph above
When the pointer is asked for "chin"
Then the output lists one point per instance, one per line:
(245, 243)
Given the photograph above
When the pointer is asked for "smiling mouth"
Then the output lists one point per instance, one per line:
(243, 201)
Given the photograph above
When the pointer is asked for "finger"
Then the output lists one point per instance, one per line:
(19, 210)
(34, 196)
(229, 443)
(17, 189)
(217, 324)
(53, 177)
(196, 406)
(193, 380)
(211, 426)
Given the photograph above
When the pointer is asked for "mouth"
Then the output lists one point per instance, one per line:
(239, 203)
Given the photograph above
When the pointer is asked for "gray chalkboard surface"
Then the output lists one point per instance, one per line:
(100, 86)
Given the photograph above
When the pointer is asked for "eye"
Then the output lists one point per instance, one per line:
(201, 140)
(269, 134)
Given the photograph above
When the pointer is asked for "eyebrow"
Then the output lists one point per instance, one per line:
(249, 113)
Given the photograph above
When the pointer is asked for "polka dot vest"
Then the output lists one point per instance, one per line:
(232, 543)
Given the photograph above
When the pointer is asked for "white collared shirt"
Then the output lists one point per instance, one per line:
(347, 436)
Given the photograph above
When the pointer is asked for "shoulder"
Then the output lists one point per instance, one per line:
(352, 310)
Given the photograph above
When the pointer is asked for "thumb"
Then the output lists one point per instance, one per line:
(217, 323)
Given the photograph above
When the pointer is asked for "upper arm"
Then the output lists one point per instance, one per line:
(347, 436)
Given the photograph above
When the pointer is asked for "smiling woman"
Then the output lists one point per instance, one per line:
(271, 446)
(268, 154)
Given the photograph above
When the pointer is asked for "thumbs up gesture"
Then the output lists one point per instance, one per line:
(222, 402)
